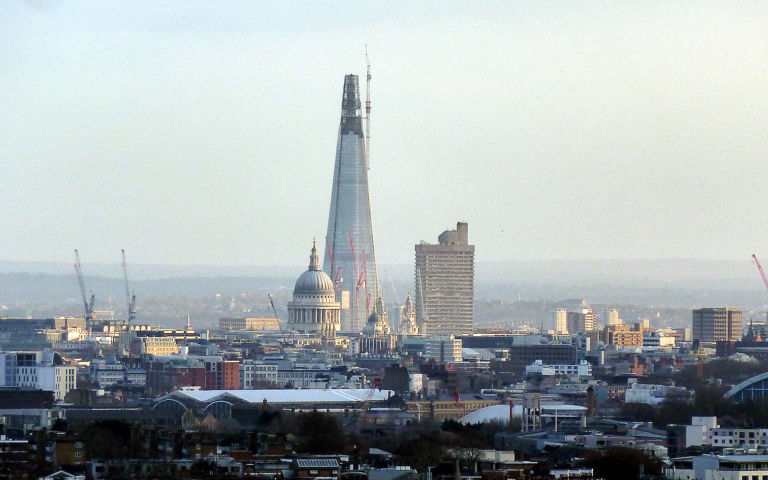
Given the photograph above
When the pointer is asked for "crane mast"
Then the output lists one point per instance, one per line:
(274, 309)
(87, 304)
(423, 318)
(760, 269)
(130, 299)
(367, 108)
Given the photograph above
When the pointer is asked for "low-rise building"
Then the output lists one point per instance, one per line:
(154, 345)
(654, 394)
(718, 467)
(256, 374)
(443, 349)
(622, 336)
(248, 323)
(581, 369)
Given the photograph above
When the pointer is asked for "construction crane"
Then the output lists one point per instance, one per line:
(367, 108)
(365, 284)
(130, 299)
(292, 333)
(699, 356)
(423, 318)
(272, 302)
(337, 279)
(87, 304)
(367, 403)
(760, 269)
(358, 279)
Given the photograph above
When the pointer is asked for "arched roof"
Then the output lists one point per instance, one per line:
(745, 384)
(500, 413)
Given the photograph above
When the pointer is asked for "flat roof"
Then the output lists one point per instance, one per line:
(308, 396)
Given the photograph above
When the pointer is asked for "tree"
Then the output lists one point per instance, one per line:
(621, 463)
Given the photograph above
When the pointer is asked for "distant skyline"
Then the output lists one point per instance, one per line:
(194, 133)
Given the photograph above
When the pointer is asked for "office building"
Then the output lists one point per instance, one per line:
(229, 324)
(445, 283)
(582, 320)
(613, 317)
(717, 324)
(561, 321)
(443, 349)
(349, 258)
(39, 370)
(255, 374)
(621, 336)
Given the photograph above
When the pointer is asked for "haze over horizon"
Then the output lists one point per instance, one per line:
(196, 134)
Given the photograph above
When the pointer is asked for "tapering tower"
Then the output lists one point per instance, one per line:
(350, 258)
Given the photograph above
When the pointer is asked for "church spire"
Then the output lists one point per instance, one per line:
(314, 261)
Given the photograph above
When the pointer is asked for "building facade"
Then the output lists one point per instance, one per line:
(717, 324)
(256, 374)
(37, 370)
(445, 283)
(613, 317)
(622, 336)
(582, 320)
(228, 324)
(350, 257)
(443, 349)
(561, 321)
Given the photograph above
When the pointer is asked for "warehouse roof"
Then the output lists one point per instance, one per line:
(309, 396)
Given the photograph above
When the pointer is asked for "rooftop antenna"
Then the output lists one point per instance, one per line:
(367, 108)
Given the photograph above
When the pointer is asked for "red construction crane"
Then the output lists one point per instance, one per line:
(357, 283)
(337, 279)
(760, 269)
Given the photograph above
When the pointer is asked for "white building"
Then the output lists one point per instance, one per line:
(582, 369)
(657, 340)
(561, 321)
(613, 317)
(443, 349)
(106, 373)
(37, 370)
(653, 394)
(699, 432)
(416, 382)
(719, 467)
(255, 374)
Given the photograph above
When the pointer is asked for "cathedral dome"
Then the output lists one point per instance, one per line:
(314, 281)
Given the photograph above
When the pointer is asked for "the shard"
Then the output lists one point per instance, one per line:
(350, 258)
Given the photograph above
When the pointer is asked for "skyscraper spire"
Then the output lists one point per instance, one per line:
(350, 258)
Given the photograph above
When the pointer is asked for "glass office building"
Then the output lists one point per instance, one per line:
(350, 258)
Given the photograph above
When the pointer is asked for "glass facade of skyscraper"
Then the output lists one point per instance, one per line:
(350, 258)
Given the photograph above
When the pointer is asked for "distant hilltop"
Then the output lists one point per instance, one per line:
(502, 271)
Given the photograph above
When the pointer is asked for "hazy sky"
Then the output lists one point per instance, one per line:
(205, 132)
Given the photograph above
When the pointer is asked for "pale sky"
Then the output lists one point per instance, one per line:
(204, 132)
